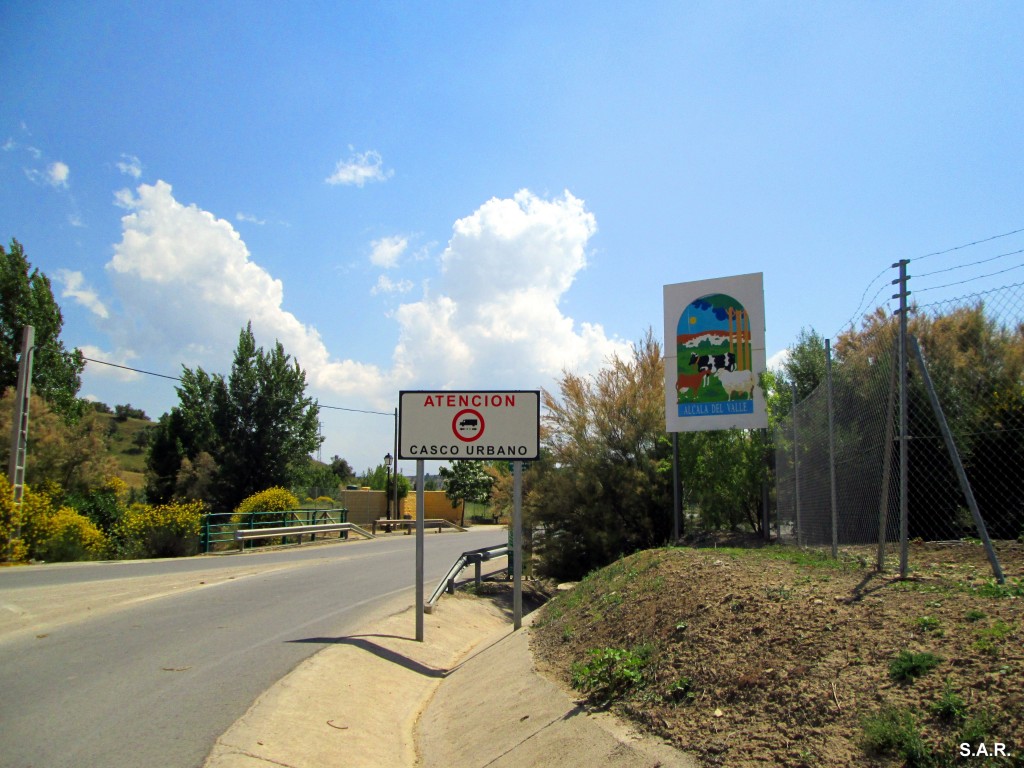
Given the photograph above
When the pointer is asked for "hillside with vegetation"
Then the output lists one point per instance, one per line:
(127, 440)
(774, 656)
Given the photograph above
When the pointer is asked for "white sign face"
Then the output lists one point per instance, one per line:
(715, 354)
(445, 426)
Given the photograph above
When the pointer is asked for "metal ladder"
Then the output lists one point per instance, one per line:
(19, 427)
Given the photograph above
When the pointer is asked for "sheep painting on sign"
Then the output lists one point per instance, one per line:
(714, 354)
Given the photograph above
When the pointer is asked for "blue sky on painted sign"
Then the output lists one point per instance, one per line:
(480, 195)
(703, 315)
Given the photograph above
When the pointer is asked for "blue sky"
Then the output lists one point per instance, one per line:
(479, 195)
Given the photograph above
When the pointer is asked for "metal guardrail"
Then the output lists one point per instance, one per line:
(409, 525)
(241, 536)
(472, 557)
(218, 531)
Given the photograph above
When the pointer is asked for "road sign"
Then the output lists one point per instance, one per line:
(445, 426)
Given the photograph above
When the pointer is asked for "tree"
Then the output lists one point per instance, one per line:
(804, 367)
(724, 473)
(341, 469)
(377, 479)
(27, 299)
(125, 412)
(315, 479)
(268, 426)
(466, 481)
(258, 426)
(603, 488)
(72, 457)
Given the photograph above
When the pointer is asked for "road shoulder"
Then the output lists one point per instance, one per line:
(357, 702)
(497, 710)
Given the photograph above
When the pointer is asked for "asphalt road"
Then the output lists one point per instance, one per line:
(147, 663)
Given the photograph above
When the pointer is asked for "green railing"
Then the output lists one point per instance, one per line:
(219, 528)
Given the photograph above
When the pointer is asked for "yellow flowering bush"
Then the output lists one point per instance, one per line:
(11, 548)
(71, 536)
(46, 533)
(271, 500)
(164, 530)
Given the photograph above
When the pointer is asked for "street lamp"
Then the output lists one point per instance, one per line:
(387, 485)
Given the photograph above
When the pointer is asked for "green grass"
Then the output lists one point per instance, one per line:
(928, 624)
(808, 558)
(908, 666)
(950, 707)
(121, 440)
(612, 673)
(990, 638)
(893, 731)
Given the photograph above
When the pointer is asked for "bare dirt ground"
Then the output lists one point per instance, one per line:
(751, 657)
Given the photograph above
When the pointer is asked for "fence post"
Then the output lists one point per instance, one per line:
(883, 503)
(796, 472)
(954, 456)
(904, 512)
(832, 448)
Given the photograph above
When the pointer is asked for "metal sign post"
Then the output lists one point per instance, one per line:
(420, 505)
(517, 544)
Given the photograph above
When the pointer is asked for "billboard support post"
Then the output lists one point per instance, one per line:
(517, 545)
(677, 501)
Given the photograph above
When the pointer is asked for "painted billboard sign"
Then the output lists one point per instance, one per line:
(715, 354)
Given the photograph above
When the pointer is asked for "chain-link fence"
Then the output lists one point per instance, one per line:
(853, 470)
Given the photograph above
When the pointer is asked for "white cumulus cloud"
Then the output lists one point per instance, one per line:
(114, 365)
(75, 288)
(387, 251)
(130, 165)
(57, 174)
(491, 319)
(188, 285)
(359, 168)
(495, 318)
(123, 198)
(386, 285)
(777, 361)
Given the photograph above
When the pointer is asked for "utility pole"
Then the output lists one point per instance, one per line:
(904, 511)
(19, 426)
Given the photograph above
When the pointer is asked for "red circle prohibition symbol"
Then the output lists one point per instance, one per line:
(468, 425)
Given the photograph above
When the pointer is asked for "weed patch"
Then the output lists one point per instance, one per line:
(611, 673)
(896, 733)
(908, 666)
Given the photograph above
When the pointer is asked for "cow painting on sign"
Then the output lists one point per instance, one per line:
(713, 354)
(690, 382)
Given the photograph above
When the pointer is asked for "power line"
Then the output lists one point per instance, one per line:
(862, 305)
(969, 279)
(133, 370)
(968, 245)
(972, 264)
(178, 378)
(355, 410)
